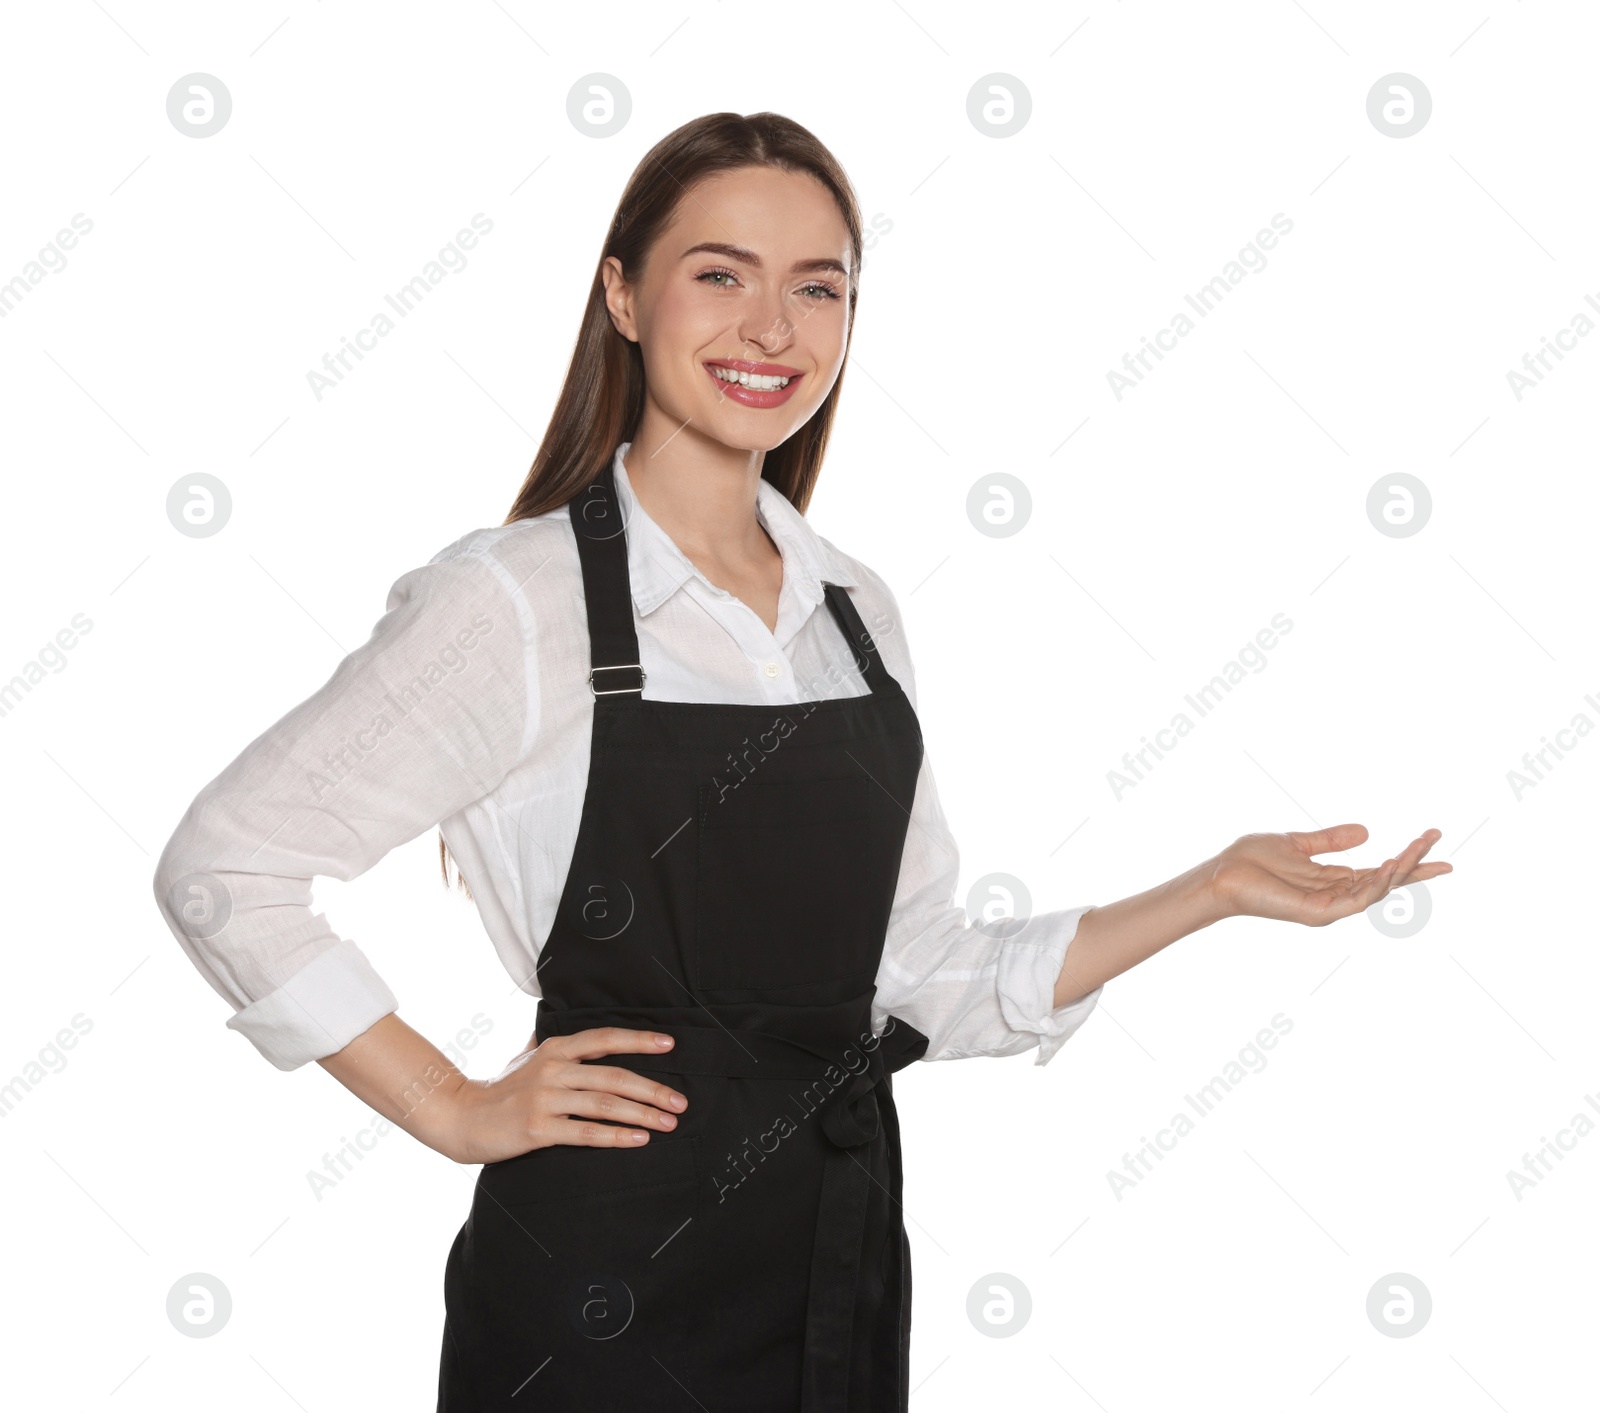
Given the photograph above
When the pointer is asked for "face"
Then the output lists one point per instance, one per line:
(742, 307)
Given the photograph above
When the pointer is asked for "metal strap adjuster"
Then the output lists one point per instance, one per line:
(613, 691)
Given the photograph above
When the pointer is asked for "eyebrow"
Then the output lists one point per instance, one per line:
(749, 257)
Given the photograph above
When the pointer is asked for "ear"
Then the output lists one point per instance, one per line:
(619, 298)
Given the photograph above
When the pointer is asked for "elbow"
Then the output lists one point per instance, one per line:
(191, 896)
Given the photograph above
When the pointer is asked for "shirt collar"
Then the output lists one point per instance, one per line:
(657, 567)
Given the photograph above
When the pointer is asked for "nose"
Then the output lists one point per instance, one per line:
(766, 325)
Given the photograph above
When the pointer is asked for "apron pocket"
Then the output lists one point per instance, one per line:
(589, 1257)
(564, 1171)
(788, 885)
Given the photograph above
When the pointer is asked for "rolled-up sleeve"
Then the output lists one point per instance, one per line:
(425, 718)
(973, 988)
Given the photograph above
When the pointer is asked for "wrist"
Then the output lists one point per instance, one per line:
(1208, 893)
(451, 1122)
(431, 1108)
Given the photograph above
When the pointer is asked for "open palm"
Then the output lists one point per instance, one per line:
(1273, 875)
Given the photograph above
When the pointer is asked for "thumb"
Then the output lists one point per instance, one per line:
(1330, 840)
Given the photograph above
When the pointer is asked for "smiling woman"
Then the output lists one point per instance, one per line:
(688, 787)
(678, 292)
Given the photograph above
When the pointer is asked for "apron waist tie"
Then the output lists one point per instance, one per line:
(850, 1117)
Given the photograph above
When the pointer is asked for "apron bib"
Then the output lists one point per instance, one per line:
(731, 885)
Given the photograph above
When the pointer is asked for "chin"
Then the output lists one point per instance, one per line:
(753, 438)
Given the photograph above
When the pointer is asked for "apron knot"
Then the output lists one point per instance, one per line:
(850, 1117)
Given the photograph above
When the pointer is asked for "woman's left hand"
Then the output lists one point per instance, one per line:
(1273, 875)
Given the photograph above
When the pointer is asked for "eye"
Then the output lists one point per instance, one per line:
(723, 278)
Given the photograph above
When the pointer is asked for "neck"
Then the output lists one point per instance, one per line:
(700, 491)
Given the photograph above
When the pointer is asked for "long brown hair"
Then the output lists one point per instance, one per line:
(602, 396)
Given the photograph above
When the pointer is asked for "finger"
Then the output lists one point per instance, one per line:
(1411, 869)
(1376, 887)
(608, 1040)
(614, 1079)
(1413, 852)
(585, 1133)
(1404, 862)
(1421, 874)
(600, 1104)
(1323, 841)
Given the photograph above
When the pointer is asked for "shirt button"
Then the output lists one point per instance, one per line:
(771, 669)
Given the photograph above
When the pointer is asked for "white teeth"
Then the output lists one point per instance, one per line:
(757, 381)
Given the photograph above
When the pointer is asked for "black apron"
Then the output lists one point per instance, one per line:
(731, 885)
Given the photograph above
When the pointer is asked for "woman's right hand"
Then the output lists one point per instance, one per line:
(547, 1095)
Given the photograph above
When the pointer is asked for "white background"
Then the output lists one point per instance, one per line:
(1229, 486)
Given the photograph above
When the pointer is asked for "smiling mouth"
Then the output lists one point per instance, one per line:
(753, 384)
(760, 377)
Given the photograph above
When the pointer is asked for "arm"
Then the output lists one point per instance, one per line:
(1113, 937)
(427, 716)
(548, 1094)
(973, 994)
(1258, 875)
(974, 989)
(406, 1078)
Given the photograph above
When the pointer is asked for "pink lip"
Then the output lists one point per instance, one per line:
(750, 397)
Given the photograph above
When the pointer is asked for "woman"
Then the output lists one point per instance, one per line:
(684, 779)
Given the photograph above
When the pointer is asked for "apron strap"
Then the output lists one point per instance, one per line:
(868, 660)
(614, 670)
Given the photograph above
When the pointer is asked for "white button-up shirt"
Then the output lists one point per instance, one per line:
(469, 708)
